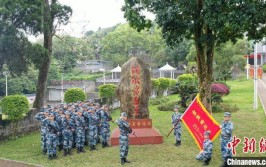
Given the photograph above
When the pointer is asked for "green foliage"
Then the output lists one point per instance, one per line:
(74, 94)
(155, 83)
(107, 91)
(157, 101)
(15, 106)
(264, 68)
(187, 88)
(186, 78)
(164, 83)
(172, 82)
(224, 108)
(216, 99)
(167, 106)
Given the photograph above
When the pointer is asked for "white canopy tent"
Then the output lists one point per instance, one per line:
(167, 68)
(115, 71)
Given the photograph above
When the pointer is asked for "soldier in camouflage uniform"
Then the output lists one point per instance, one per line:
(58, 117)
(80, 131)
(105, 126)
(42, 116)
(93, 122)
(206, 153)
(125, 130)
(52, 136)
(176, 123)
(98, 113)
(226, 137)
(68, 129)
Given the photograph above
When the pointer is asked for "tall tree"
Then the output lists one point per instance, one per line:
(54, 14)
(33, 17)
(209, 23)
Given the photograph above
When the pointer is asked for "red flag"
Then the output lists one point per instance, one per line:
(198, 120)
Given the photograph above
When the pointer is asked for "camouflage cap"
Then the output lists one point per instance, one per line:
(176, 106)
(227, 114)
(67, 113)
(123, 114)
(207, 133)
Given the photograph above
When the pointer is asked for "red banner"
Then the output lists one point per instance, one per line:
(198, 120)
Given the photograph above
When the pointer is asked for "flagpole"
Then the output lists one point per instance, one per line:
(255, 77)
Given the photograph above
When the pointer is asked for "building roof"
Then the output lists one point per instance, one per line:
(167, 67)
(117, 69)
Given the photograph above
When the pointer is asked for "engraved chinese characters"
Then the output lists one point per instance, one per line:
(134, 89)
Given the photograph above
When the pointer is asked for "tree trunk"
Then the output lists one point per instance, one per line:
(47, 44)
(204, 58)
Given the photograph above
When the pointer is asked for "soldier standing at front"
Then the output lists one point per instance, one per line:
(226, 137)
(125, 130)
(80, 131)
(93, 122)
(176, 122)
(105, 126)
(68, 129)
(52, 136)
(206, 153)
(42, 116)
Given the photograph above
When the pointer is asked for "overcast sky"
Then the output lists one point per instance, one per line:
(92, 14)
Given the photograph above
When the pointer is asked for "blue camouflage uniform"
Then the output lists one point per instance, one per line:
(99, 113)
(80, 131)
(125, 130)
(176, 117)
(68, 127)
(52, 139)
(41, 117)
(207, 150)
(226, 137)
(58, 119)
(93, 122)
(105, 127)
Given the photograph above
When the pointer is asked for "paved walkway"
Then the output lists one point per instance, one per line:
(11, 163)
(262, 91)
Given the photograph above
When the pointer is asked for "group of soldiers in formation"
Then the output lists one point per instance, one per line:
(205, 155)
(75, 125)
(86, 123)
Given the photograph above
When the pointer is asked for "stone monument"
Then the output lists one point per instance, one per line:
(133, 92)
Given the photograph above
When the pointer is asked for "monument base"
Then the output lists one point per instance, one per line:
(144, 133)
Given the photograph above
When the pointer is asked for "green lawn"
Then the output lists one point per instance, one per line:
(248, 123)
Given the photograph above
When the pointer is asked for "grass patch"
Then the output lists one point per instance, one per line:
(247, 123)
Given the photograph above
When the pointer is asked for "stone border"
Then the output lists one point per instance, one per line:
(13, 163)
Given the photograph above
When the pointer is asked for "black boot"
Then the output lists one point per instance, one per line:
(82, 149)
(206, 163)
(44, 152)
(60, 146)
(103, 144)
(126, 161)
(106, 144)
(55, 156)
(86, 143)
(78, 150)
(176, 143)
(179, 143)
(94, 147)
(224, 164)
(69, 151)
(50, 157)
(91, 147)
(122, 161)
(99, 140)
(65, 152)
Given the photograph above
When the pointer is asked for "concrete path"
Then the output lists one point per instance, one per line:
(262, 91)
(12, 163)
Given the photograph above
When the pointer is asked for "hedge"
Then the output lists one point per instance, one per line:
(186, 78)
(164, 83)
(74, 94)
(15, 106)
(155, 84)
(107, 91)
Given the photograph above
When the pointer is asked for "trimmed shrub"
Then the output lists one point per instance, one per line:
(167, 106)
(172, 82)
(15, 106)
(107, 91)
(186, 78)
(155, 83)
(264, 68)
(74, 94)
(164, 83)
(158, 101)
(220, 89)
